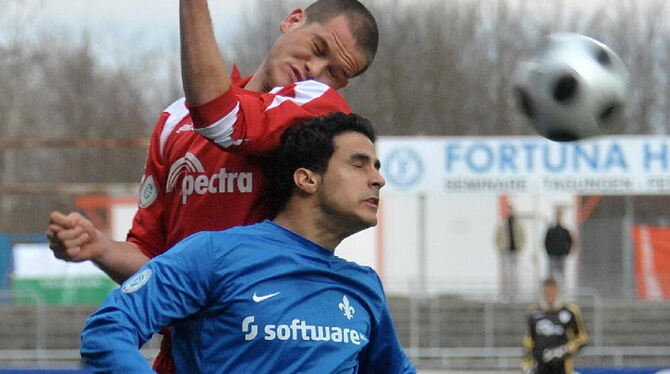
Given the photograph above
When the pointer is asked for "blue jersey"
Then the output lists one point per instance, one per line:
(254, 299)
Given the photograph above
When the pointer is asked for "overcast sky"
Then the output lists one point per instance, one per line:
(123, 27)
(120, 30)
(153, 20)
(144, 14)
(137, 13)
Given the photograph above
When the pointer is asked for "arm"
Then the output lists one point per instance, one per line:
(383, 353)
(203, 68)
(149, 231)
(528, 344)
(74, 238)
(547, 239)
(170, 287)
(578, 337)
(570, 241)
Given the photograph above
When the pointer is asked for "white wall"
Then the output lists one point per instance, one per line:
(459, 240)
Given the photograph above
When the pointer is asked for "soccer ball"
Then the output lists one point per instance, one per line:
(573, 89)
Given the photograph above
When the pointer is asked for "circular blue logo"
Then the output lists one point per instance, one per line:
(403, 167)
(137, 281)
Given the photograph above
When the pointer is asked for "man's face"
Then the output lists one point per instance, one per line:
(348, 194)
(326, 52)
(550, 293)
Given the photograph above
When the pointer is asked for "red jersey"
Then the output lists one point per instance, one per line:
(191, 184)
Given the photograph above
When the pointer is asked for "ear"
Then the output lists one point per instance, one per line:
(306, 180)
(295, 19)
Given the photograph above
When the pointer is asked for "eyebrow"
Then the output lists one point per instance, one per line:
(348, 61)
(366, 159)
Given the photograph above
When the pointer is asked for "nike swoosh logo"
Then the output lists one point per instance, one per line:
(258, 299)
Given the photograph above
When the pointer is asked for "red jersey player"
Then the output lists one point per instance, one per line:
(190, 184)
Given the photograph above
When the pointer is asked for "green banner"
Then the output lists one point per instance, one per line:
(63, 291)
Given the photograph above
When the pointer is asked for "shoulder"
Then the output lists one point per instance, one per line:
(174, 117)
(261, 234)
(363, 278)
(310, 87)
(240, 233)
(534, 310)
(175, 113)
(572, 308)
(364, 271)
(305, 92)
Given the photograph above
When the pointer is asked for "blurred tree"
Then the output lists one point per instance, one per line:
(55, 87)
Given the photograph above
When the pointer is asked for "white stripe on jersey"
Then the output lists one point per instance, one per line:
(305, 91)
(221, 131)
(177, 112)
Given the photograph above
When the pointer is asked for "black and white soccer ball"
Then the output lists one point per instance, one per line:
(573, 89)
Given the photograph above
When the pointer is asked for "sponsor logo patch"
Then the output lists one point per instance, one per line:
(137, 281)
(148, 192)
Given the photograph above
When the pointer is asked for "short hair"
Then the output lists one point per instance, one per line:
(550, 282)
(361, 22)
(308, 145)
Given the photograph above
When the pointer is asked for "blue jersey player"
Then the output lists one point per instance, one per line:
(271, 297)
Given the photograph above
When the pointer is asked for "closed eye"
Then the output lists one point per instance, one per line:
(318, 51)
(320, 46)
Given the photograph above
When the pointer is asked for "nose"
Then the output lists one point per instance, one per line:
(316, 67)
(378, 180)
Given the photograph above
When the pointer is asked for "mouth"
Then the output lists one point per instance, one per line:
(374, 201)
(296, 75)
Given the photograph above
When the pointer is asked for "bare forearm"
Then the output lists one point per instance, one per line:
(121, 260)
(203, 68)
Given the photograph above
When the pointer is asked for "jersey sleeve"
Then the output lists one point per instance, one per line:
(383, 353)
(528, 343)
(242, 121)
(148, 230)
(579, 337)
(170, 287)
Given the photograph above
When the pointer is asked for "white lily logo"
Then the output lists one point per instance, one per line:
(346, 308)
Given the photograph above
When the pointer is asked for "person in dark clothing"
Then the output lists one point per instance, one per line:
(557, 243)
(556, 332)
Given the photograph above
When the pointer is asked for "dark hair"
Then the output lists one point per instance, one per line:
(308, 145)
(361, 22)
(550, 282)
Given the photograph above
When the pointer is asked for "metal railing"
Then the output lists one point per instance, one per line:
(510, 357)
(40, 320)
(424, 328)
(430, 322)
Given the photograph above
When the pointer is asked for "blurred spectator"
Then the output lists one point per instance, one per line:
(557, 243)
(510, 240)
(555, 334)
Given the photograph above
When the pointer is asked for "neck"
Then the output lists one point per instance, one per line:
(308, 222)
(256, 81)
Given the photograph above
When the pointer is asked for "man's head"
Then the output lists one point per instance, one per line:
(331, 41)
(550, 291)
(558, 216)
(328, 167)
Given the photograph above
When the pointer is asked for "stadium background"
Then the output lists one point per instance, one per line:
(79, 106)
